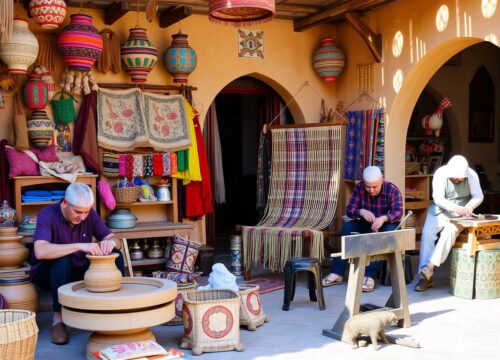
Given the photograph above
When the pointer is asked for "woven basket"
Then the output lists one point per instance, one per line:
(18, 334)
(126, 194)
(211, 320)
(412, 168)
(251, 313)
(179, 302)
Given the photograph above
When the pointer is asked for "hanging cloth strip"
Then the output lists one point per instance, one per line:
(182, 160)
(148, 165)
(167, 164)
(263, 171)
(129, 166)
(85, 132)
(121, 165)
(158, 164)
(173, 163)
(138, 165)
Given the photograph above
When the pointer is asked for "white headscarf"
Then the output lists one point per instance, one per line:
(457, 167)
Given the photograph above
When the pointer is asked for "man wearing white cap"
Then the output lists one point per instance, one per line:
(375, 205)
(456, 192)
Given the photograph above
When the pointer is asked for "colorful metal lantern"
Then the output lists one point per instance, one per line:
(49, 14)
(40, 129)
(35, 92)
(21, 50)
(80, 44)
(328, 60)
(139, 56)
(179, 58)
(241, 12)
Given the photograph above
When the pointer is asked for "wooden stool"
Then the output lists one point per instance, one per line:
(313, 267)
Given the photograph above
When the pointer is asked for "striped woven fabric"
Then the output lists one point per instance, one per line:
(303, 191)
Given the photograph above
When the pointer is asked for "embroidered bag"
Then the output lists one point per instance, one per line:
(64, 108)
(183, 255)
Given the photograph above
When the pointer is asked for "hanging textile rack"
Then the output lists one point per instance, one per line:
(308, 125)
(365, 95)
(184, 90)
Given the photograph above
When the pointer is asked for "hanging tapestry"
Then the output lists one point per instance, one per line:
(120, 120)
(251, 44)
(303, 194)
(364, 144)
(166, 122)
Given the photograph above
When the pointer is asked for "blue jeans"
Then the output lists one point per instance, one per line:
(339, 266)
(58, 272)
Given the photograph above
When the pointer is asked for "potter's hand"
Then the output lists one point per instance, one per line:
(461, 210)
(91, 248)
(367, 215)
(107, 246)
(378, 222)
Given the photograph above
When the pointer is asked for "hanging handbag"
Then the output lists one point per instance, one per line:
(64, 108)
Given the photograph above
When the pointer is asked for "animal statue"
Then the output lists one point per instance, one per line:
(434, 122)
(370, 324)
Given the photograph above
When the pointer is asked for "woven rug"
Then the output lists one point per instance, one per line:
(265, 285)
(303, 191)
(166, 122)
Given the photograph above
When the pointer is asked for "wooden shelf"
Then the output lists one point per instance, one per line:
(38, 203)
(154, 229)
(140, 203)
(146, 262)
(417, 204)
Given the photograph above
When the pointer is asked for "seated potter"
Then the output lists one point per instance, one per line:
(62, 238)
(375, 205)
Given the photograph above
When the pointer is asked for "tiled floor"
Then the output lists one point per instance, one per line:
(447, 327)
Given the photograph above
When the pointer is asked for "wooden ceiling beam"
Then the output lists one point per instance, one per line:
(372, 40)
(335, 12)
(114, 12)
(170, 17)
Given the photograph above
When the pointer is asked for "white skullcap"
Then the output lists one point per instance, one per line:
(371, 174)
(457, 167)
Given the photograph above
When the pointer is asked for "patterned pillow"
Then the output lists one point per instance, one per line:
(47, 154)
(183, 254)
(20, 163)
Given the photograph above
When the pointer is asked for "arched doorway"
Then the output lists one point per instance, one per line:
(241, 108)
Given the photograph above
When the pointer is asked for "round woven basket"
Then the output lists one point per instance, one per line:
(18, 334)
(126, 194)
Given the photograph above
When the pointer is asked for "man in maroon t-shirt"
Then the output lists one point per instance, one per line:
(62, 238)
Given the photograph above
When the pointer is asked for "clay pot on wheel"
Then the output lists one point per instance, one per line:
(102, 275)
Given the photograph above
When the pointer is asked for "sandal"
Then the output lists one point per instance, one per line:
(327, 282)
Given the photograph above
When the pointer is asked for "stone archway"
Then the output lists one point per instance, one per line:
(404, 102)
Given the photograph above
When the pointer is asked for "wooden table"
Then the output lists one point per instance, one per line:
(477, 234)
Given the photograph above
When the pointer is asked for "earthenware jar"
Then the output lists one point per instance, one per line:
(138, 54)
(19, 292)
(102, 275)
(155, 251)
(35, 92)
(40, 129)
(179, 58)
(7, 215)
(12, 252)
(135, 251)
(328, 60)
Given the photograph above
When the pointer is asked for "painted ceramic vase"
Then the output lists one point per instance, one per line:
(80, 44)
(179, 58)
(328, 60)
(22, 49)
(135, 251)
(7, 217)
(40, 129)
(35, 92)
(139, 56)
(19, 292)
(236, 262)
(163, 193)
(12, 252)
(49, 14)
(155, 251)
(28, 223)
(102, 275)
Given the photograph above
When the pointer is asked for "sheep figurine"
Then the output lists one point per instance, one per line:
(369, 324)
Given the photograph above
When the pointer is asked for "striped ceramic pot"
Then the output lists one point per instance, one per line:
(80, 44)
(139, 56)
(40, 129)
(49, 14)
(180, 59)
(328, 60)
(21, 50)
(35, 92)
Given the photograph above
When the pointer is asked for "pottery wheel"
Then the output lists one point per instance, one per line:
(118, 316)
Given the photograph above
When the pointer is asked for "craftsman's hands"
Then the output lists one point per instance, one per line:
(462, 210)
(376, 222)
(105, 247)
(367, 215)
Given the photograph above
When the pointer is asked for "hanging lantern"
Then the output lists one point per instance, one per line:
(40, 129)
(80, 44)
(180, 58)
(328, 60)
(22, 49)
(241, 12)
(139, 56)
(49, 14)
(35, 93)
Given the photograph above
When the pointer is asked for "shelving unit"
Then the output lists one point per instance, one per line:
(418, 198)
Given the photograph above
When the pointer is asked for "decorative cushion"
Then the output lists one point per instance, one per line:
(106, 194)
(133, 350)
(183, 254)
(20, 163)
(47, 154)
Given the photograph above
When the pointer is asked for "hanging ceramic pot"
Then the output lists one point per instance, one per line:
(40, 129)
(7, 215)
(179, 58)
(328, 60)
(80, 44)
(139, 56)
(22, 49)
(49, 14)
(35, 92)
(102, 275)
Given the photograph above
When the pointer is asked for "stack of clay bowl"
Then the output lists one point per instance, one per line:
(15, 286)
